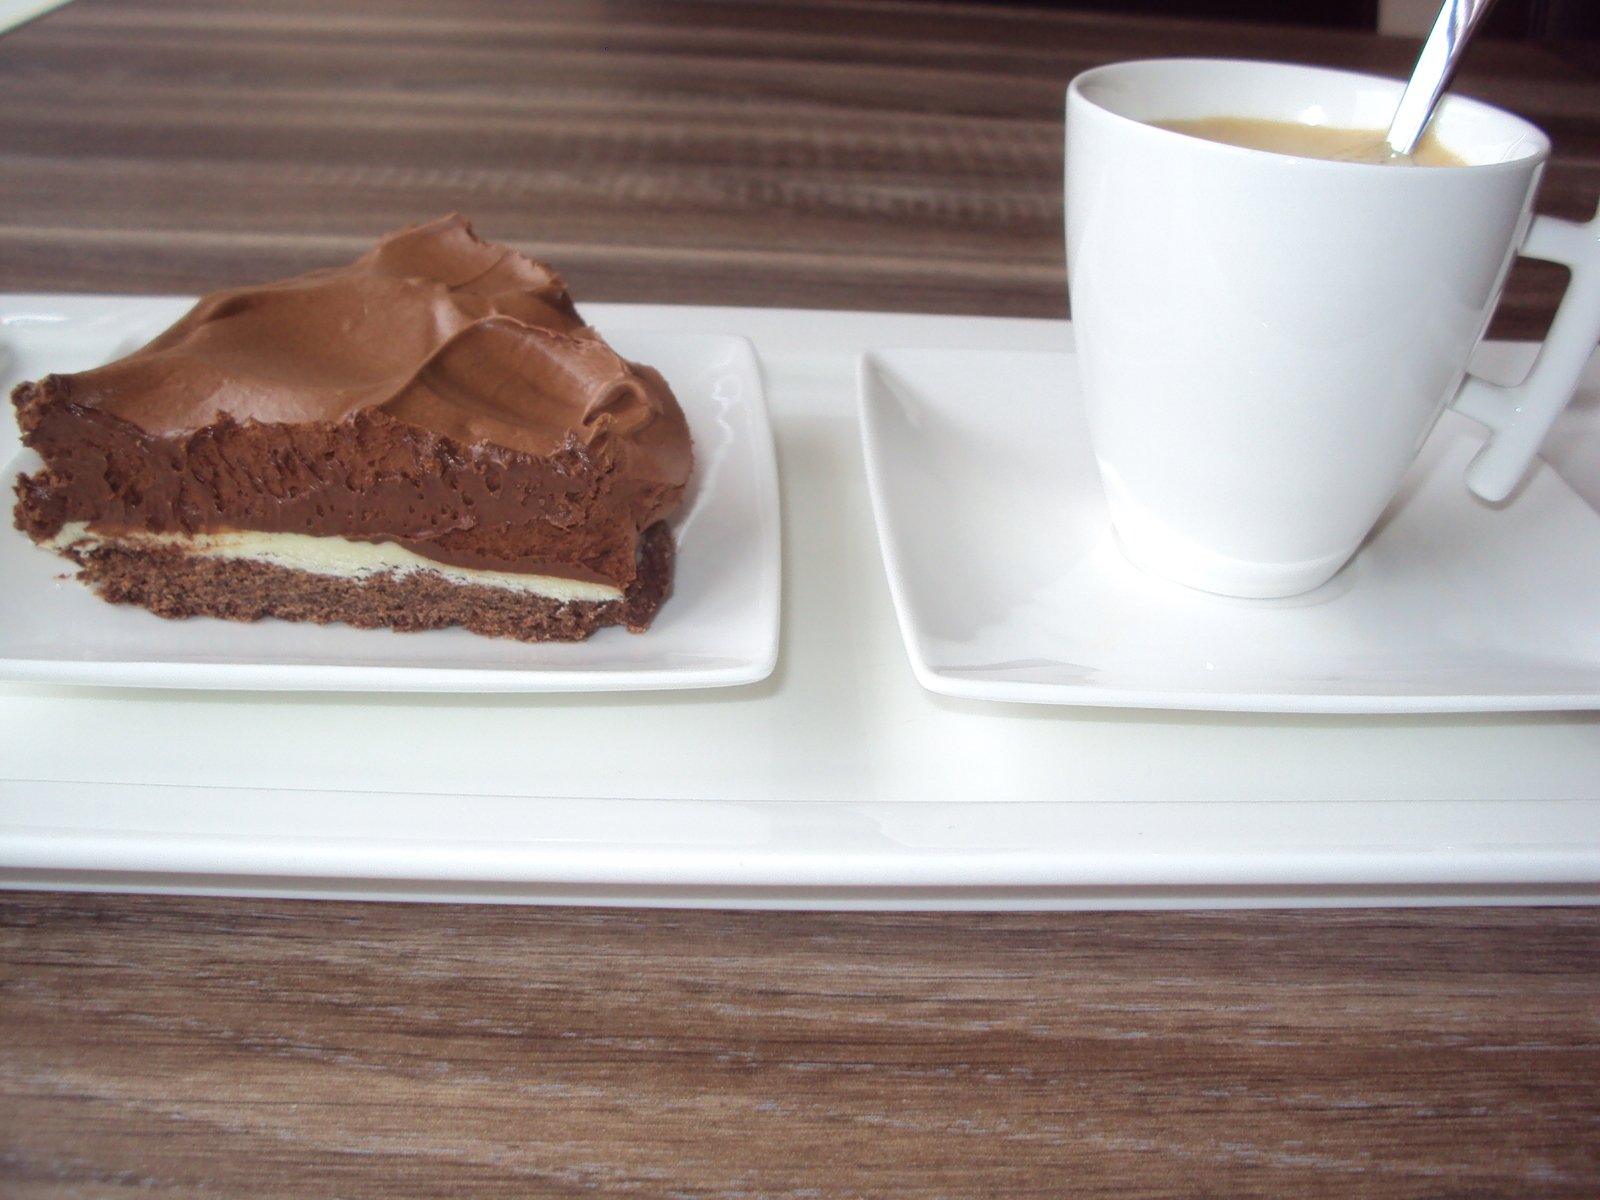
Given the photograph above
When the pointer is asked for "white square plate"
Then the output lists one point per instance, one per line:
(719, 627)
(1008, 585)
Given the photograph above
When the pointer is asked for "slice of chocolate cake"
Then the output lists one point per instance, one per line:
(428, 437)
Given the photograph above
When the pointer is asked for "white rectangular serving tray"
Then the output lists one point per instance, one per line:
(838, 781)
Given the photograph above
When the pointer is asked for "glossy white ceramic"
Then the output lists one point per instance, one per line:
(838, 781)
(1008, 585)
(719, 628)
(1264, 341)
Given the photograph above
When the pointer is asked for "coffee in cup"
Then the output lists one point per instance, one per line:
(1333, 142)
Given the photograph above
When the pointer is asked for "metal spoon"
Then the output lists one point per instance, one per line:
(1440, 56)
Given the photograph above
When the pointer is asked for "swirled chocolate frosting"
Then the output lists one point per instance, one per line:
(441, 393)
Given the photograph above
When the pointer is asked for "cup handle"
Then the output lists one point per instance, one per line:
(1519, 417)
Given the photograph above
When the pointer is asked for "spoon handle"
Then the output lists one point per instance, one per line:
(1440, 56)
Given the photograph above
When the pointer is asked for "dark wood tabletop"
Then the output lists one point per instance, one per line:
(872, 156)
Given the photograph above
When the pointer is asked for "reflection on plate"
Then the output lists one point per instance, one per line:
(719, 628)
(1008, 586)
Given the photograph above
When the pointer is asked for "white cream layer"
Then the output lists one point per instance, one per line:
(337, 557)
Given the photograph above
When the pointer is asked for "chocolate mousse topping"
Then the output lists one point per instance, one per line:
(441, 393)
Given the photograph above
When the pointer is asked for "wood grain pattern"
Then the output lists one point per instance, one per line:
(229, 1048)
(863, 156)
(869, 156)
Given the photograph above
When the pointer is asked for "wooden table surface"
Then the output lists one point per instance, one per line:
(878, 156)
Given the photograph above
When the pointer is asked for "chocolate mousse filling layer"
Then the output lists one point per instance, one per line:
(434, 416)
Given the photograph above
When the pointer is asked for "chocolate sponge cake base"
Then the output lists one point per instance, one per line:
(173, 584)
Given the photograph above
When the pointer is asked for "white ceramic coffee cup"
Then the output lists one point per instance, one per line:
(1264, 341)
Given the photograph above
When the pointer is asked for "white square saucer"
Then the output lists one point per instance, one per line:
(1008, 585)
